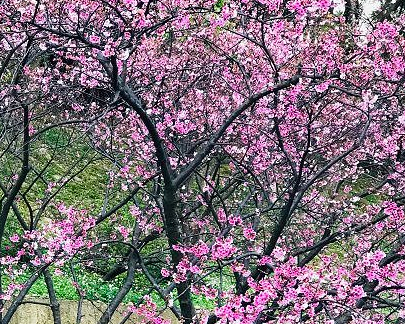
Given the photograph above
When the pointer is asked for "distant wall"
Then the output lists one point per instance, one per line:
(29, 313)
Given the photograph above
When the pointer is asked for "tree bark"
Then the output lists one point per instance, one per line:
(174, 237)
(54, 303)
(112, 307)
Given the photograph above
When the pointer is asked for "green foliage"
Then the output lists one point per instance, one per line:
(203, 302)
(219, 5)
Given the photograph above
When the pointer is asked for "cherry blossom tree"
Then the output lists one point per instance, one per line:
(258, 146)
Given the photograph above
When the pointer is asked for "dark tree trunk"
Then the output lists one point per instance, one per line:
(174, 237)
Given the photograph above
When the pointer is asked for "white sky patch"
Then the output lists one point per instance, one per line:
(368, 6)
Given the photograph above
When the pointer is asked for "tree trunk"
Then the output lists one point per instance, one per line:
(174, 237)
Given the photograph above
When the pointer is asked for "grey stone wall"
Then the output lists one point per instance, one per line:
(29, 313)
